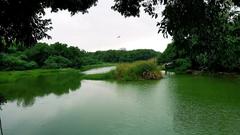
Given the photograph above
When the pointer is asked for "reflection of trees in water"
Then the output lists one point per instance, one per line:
(25, 90)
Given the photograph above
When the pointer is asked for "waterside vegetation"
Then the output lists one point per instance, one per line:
(58, 55)
(139, 70)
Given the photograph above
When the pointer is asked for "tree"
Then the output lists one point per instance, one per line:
(205, 39)
(22, 22)
(205, 31)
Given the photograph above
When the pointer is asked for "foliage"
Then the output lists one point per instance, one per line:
(209, 39)
(11, 62)
(56, 55)
(139, 70)
(59, 55)
(204, 31)
(210, 47)
(168, 55)
(39, 53)
(182, 64)
(57, 62)
(74, 54)
(127, 7)
(22, 20)
(125, 56)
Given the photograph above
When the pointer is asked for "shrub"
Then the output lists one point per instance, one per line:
(168, 55)
(39, 53)
(182, 64)
(141, 70)
(11, 62)
(56, 62)
(31, 65)
(90, 61)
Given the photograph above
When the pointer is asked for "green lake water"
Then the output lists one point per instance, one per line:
(176, 105)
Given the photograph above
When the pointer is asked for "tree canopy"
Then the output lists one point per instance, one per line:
(22, 20)
(204, 31)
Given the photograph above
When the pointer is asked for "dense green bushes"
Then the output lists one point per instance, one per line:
(56, 55)
(168, 55)
(210, 40)
(11, 62)
(169, 59)
(214, 60)
(59, 55)
(42, 55)
(139, 70)
(182, 65)
(57, 62)
(125, 56)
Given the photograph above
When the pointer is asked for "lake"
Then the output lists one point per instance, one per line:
(66, 105)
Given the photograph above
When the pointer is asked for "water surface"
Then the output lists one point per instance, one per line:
(175, 105)
(100, 70)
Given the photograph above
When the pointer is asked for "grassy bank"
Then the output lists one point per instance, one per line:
(104, 76)
(11, 76)
(140, 70)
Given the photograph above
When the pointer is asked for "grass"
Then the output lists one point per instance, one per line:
(104, 76)
(140, 70)
(11, 76)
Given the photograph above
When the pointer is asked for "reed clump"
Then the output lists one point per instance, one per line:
(140, 70)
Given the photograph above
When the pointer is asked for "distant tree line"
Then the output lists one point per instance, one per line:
(124, 56)
(59, 55)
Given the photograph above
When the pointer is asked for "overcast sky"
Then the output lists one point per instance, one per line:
(104, 29)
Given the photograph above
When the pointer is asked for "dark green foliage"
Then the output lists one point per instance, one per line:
(125, 56)
(42, 55)
(76, 56)
(90, 60)
(168, 55)
(182, 65)
(127, 7)
(14, 62)
(39, 53)
(204, 31)
(22, 20)
(59, 55)
(209, 38)
(57, 62)
(56, 55)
